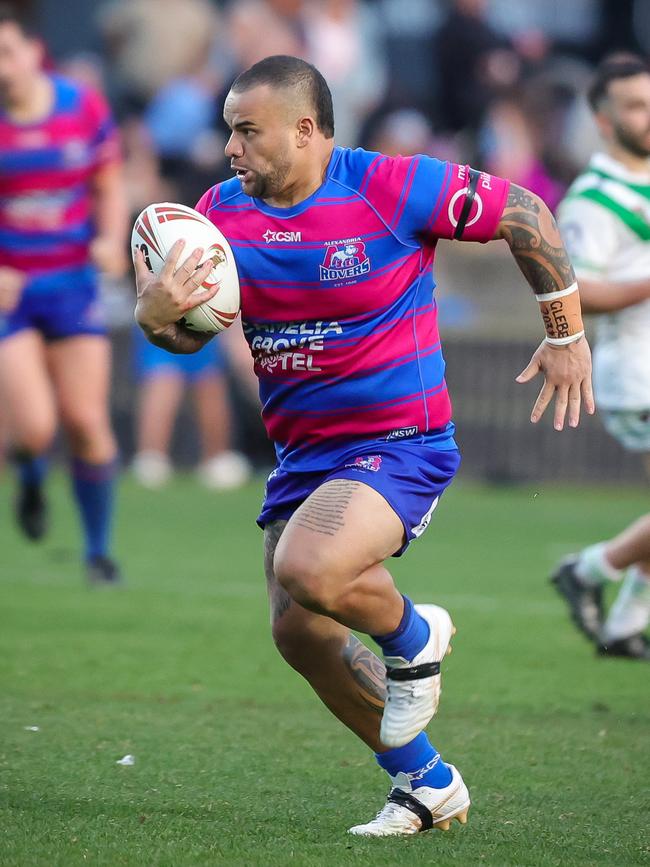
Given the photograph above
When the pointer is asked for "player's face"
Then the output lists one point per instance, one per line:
(627, 109)
(20, 59)
(261, 147)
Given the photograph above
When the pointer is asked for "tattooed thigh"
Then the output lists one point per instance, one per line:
(279, 599)
(324, 510)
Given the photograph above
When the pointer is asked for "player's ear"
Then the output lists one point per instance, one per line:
(304, 131)
(604, 123)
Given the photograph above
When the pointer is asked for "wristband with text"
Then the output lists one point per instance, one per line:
(562, 315)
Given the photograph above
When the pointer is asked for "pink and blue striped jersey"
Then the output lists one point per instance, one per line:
(338, 299)
(45, 190)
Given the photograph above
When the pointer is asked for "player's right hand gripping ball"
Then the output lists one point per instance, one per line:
(156, 230)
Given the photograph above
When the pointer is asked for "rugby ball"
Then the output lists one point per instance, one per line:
(156, 230)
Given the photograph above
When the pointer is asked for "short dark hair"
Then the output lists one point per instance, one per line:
(611, 68)
(281, 70)
(10, 13)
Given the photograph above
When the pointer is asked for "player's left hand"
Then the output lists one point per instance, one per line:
(109, 256)
(567, 375)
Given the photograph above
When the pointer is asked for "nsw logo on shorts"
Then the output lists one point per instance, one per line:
(402, 433)
(369, 462)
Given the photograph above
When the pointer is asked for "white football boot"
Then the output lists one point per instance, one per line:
(151, 469)
(411, 811)
(225, 471)
(413, 686)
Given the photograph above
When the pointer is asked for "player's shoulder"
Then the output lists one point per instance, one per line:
(595, 196)
(74, 96)
(582, 185)
(224, 195)
(351, 163)
(70, 94)
(355, 164)
(380, 178)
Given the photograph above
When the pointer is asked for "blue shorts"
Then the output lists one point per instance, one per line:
(151, 360)
(66, 306)
(410, 476)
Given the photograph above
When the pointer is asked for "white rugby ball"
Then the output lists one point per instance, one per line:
(156, 230)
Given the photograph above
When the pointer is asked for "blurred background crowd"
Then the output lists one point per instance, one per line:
(495, 83)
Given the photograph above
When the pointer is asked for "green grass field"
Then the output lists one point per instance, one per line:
(237, 763)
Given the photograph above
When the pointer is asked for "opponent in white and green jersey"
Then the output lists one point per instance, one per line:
(605, 223)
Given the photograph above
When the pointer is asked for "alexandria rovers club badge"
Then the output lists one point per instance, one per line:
(345, 259)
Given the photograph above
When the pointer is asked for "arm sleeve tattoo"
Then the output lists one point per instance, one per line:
(532, 234)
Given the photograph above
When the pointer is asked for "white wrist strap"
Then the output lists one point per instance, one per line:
(562, 341)
(562, 293)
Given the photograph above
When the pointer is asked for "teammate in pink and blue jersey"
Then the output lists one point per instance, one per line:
(335, 249)
(63, 214)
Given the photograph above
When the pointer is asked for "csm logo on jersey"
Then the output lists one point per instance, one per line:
(282, 237)
(344, 259)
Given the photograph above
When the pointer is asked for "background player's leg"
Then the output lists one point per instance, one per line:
(29, 422)
(631, 546)
(580, 579)
(213, 413)
(159, 396)
(81, 368)
(630, 614)
(28, 405)
(221, 467)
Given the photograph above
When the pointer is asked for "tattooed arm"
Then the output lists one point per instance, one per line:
(529, 229)
(531, 232)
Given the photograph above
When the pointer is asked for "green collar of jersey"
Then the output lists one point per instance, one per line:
(641, 189)
(635, 222)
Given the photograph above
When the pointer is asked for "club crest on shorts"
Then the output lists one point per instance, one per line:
(369, 462)
(344, 259)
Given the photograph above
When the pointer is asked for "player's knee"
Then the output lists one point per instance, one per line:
(291, 643)
(310, 578)
(296, 574)
(85, 428)
(36, 440)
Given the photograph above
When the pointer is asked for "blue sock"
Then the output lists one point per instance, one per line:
(419, 760)
(32, 469)
(410, 636)
(93, 486)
